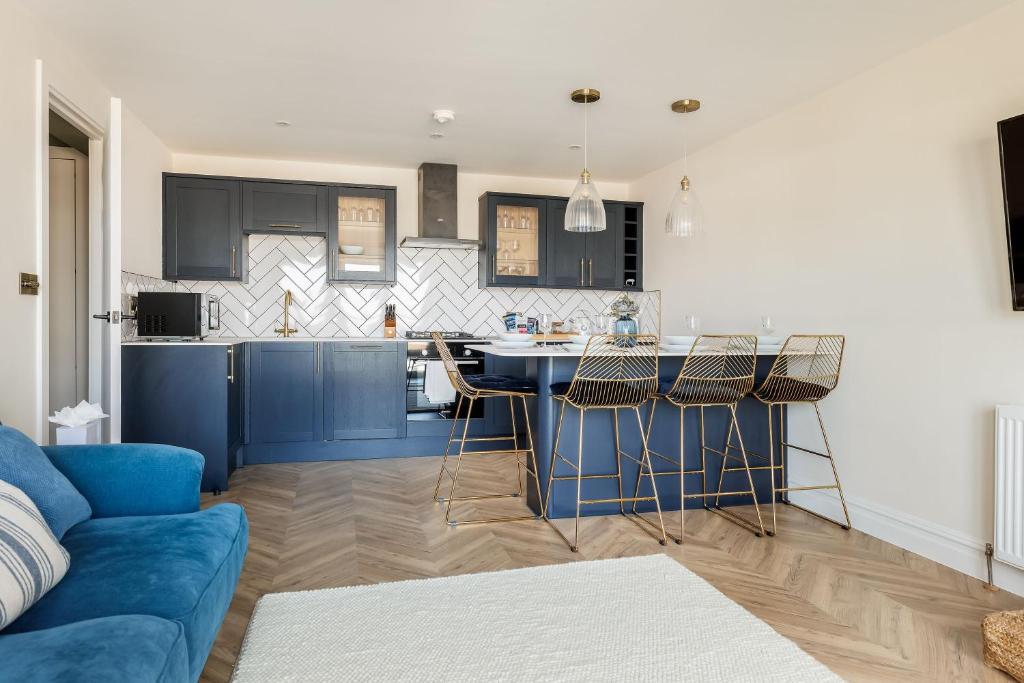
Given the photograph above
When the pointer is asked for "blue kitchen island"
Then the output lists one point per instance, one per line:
(555, 363)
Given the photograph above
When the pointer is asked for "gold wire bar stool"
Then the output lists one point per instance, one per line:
(805, 371)
(718, 372)
(616, 372)
(472, 388)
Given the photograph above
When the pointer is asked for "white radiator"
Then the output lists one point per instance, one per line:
(1009, 545)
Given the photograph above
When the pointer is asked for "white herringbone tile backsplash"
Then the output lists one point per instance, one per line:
(435, 289)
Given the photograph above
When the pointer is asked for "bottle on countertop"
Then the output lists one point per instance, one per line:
(390, 321)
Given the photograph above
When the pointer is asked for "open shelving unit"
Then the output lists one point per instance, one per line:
(632, 250)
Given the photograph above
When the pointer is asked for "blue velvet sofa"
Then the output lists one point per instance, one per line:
(151, 575)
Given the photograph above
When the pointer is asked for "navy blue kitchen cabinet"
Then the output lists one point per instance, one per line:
(513, 230)
(525, 244)
(566, 251)
(304, 392)
(189, 396)
(364, 390)
(203, 229)
(284, 208)
(285, 392)
(605, 251)
(361, 234)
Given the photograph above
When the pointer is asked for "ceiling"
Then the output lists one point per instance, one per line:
(358, 80)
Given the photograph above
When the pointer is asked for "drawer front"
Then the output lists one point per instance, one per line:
(378, 347)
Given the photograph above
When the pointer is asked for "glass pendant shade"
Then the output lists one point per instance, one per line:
(684, 217)
(585, 211)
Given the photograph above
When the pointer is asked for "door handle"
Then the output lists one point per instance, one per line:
(581, 271)
(210, 302)
(591, 261)
(231, 364)
(233, 260)
(316, 359)
(112, 317)
(289, 226)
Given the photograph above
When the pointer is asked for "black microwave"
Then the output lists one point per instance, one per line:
(176, 315)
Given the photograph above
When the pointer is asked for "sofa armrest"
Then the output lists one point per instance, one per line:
(125, 480)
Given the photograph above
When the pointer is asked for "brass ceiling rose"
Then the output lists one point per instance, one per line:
(685, 106)
(585, 95)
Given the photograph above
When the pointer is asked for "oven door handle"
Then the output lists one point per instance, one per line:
(458, 362)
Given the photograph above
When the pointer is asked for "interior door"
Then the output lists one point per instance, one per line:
(105, 278)
(68, 275)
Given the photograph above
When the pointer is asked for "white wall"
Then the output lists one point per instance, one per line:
(875, 210)
(470, 185)
(146, 158)
(23, 40)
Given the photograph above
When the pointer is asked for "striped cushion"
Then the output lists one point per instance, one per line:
(31, 559)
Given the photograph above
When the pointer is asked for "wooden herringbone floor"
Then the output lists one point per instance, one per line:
(867, 609)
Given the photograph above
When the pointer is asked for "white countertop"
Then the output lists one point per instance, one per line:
(559, 350)
(228, 341)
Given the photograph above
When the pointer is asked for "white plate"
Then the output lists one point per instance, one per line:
(765, 340)
(675, 349)
(679, 341)
(515, 337)
(514, 344)
(575, 348)
(352, 249)
(580, 339)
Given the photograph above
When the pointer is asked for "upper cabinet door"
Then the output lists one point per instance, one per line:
(604, 251)
(566, 251)
(515, 240)
(203, 229)
(284, 208)
(361, 245)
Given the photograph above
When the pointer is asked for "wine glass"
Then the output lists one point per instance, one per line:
(344, 215)
(767, 325)
(691, 324)
(544, 321)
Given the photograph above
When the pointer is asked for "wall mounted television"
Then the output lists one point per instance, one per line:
(1011, 156)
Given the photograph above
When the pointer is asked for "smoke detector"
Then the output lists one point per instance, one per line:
(443, 116)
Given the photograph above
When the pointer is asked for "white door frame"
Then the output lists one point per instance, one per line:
(49, 97)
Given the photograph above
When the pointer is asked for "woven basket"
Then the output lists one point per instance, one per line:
(1003, 633)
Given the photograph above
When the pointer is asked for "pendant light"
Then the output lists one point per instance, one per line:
(685, 217)
(585, 211)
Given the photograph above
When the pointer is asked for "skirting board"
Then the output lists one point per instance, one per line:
(936, 542)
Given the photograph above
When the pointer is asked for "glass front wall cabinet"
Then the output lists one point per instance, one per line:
(513, 233)
(361, 237)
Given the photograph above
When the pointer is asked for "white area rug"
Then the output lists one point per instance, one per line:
(635, 619)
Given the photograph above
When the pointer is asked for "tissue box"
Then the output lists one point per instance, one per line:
(73, 436)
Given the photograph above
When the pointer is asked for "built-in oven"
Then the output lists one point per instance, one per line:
(419, 403)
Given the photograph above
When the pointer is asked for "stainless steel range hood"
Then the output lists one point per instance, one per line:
(438, 210)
